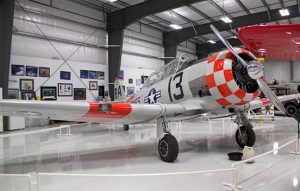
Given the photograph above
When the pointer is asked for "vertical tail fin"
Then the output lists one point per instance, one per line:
(119, 91)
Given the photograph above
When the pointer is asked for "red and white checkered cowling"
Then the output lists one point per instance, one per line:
(221, 83)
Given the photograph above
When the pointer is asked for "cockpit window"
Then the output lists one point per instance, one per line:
(172, 67)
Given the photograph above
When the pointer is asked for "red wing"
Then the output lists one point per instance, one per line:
(280, 42)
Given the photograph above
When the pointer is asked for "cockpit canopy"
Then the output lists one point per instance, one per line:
(172, 67)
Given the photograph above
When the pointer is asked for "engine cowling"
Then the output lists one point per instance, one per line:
(228, 80)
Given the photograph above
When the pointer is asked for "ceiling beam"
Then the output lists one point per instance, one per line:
(265, 4)
(243, 6)
(178, 36)
(200, 13)
(225, 13)
(120, 19)
(204, 50)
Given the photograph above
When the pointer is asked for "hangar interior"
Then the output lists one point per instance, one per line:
(83, 46)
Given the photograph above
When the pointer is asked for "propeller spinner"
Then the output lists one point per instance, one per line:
(255, 70)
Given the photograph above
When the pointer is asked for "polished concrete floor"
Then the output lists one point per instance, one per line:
(129, 160)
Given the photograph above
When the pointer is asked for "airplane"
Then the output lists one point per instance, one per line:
(277, 42)
(227, 83)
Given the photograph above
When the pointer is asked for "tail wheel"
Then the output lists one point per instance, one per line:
(126, 127)
(246, 138)
(168, 148)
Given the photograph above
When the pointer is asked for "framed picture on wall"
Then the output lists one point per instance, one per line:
(79, 94)
(121, 74)
(31, 71)
(13, 94)
(100, 75)
(44, 72)
(138, 82)
(48, 93)
(65, 89)
(130, 81)
(130, 91)
(64, 75)
(17, 70)
(92, 74)
(93, 85)
(26, 84)
(28, 95)
(84, 74)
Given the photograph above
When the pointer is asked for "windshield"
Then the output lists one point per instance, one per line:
(170, 68)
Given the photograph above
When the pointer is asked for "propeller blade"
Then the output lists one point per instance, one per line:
(270, 95)
(228, 45)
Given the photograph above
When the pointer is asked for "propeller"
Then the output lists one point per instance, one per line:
(255, 71)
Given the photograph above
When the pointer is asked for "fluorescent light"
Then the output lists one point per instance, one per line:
(176, 27)
(112, 0)
(226, 19)
(284, 12)
(211, 41)
(295, 182)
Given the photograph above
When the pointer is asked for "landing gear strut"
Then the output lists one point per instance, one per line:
(244, 136)
(167, 145)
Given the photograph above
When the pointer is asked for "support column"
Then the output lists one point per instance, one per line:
(170, 51)
(6, 23)
(6, 26)
(114, 57)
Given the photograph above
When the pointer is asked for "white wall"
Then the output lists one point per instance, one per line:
(279, 70)
(142, 45)
(134, 73)
(296, 71)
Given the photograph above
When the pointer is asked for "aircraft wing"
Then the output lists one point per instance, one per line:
(97, 112)
(258, 103)
(280, 42)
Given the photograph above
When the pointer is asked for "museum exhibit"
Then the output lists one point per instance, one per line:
(164, 95)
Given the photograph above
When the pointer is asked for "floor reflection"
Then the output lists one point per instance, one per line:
(108, 149)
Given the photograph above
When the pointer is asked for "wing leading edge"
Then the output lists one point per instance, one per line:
(95, 112)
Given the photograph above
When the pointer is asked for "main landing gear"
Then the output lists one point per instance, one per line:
(244, 136)
(167, 145)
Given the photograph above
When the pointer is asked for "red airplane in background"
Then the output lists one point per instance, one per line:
(277, 42)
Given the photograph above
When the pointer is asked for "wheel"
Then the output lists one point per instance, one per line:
(126, 127)
(247, 138)
(291, 109)
(168, 148)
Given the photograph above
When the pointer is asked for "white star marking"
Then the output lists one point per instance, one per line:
(151, 97)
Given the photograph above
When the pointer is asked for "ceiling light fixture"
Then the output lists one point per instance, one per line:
(284, 12)
(112, 0)
(226, 19)
(176, 27)
(211, 41)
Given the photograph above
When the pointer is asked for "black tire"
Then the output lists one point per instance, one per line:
(168, 148)
(291, 109)
(126, 127)
(248, 138)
